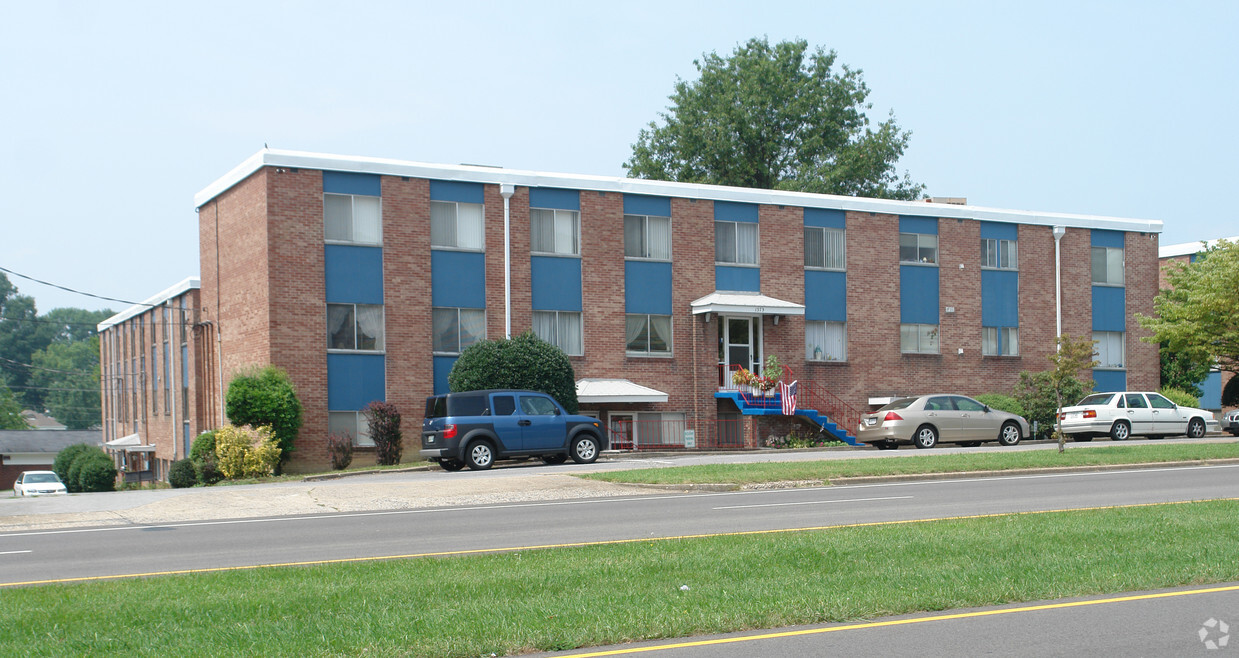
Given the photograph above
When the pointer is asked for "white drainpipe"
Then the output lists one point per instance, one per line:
(507, 190)
(1059, 232)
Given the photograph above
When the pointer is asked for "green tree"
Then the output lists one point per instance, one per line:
(1073, 355)
(1198, 315)
(21, 335)
(775, 117)
(10, 409)
(266, 396)
(524, 362)
(67, 374)
(1181, 372)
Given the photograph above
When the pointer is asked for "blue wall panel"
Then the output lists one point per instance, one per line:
(919, 225)
(647, 287)
(448, 190)
(729, 211)
(737, 279)
(639, 204)
(825, 218)
(1000, 298)
(918, 294)
(556, 283)
(442, 368)
(353, 274)
(457, 279)
(1211, 392)
(1102, 238)
(345, 182)
(1108, 381)
(825, 296)
(999, 231)
(354, 380)
(1109, 308)
(550, 197)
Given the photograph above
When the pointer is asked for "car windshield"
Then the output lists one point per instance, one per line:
(1098, 399)
(898, 404)
(42, 477)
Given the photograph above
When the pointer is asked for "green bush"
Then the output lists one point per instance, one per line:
(203, 447)
(266, 397)
(182, 474)
(1035, 393)
(340, 448)
(384, 421)
(96, 472)
(1002, 403)
(64, 461)
(524, 362)
(1180, 397)
(246, 451)
(208, 472)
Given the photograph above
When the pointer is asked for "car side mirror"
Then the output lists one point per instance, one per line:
(985, 407)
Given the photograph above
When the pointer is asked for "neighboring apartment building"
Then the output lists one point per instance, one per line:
(159, 388)
(1211, 387)
(364, 278)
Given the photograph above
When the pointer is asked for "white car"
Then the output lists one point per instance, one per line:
(1230, 422)
(38, 483)
(1133, 413)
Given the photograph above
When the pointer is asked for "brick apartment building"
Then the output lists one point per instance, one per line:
(365, 277)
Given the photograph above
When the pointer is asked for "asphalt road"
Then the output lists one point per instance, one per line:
(85, 553)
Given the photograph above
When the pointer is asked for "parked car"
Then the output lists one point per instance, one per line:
(1124, 414)
(1230, 422)
(926, 420)
(476, 428)
(38, 483)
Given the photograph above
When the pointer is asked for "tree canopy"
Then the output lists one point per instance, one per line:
(775, 117)
(522, 362)
(1198, 315)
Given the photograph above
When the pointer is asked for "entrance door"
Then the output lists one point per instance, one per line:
(739, 344)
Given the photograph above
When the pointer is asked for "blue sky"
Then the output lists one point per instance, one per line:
(118, 113)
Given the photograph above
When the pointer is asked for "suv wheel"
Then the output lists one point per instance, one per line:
(584, 449)
(480, 456)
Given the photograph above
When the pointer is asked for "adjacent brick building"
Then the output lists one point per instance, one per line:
(364, 278)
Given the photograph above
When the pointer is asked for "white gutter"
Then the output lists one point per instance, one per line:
(1059, 232)
(507, 190)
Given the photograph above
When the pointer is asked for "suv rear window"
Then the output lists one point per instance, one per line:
(436, 407)
(467, 405)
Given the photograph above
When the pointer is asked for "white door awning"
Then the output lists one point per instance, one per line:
(125, 441)
(744, 303)
(602, 391)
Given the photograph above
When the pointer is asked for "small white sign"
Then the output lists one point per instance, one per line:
(690, 438)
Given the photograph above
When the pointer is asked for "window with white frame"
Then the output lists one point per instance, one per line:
(826, 341)
(1110, 348)
(456, 225)
(352, 218)
(647, 236)
(918, 248)
(735, 242)
(560, 328)
(999, 254)
(655, 429)
(1108, 266)
(1000, 341)
(355, 327)
(824, 248)
(352, 424)
(648, 334)
(918, 338)
(555, 231)
(457, 328)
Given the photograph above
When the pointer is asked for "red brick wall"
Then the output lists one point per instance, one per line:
(1141, 273)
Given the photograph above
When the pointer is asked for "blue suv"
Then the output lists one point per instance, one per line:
(475, 428)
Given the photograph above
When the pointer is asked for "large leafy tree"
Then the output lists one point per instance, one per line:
(775, 117)
(10, 410)
(1198, 315)
(67, 376)
(21, 335)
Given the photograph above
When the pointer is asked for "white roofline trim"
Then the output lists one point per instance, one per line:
(191, 283)
(1189, 248)
(524, 178)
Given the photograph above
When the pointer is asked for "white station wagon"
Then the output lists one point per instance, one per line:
(1123, 414)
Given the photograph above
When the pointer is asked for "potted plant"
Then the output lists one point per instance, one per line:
(743, 378)
(771, 374)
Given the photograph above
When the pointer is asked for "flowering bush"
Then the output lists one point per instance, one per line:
(245, 451)
(794, 440)
(743, 377)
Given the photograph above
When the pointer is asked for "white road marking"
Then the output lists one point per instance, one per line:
(14, 552)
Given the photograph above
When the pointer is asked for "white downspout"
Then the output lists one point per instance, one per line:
(1059, 232)
(507, 190)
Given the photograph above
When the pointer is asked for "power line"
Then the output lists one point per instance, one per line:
(34, 367)
(76, 292)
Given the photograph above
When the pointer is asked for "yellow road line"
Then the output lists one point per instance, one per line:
(609, 542)
(900, 622)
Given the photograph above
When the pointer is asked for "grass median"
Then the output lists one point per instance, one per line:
(588, 596)
(826, 470)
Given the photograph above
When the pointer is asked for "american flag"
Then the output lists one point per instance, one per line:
(788, 392)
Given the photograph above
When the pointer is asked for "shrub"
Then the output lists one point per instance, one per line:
(208, 471)
(246, 451)
(384, 421)
(340, 447)
(266, 397)
(1035, 393)
(182, 474)
(64, 460)
(794, 440)
(1180, 397)
(523, 362)
(1002, 403)
(96, 472)
(203, 447)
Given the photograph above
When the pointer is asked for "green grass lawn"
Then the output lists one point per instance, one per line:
(830, 469)
(587, 596)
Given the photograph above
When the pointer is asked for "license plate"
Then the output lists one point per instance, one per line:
(430, 438)
(871, 422)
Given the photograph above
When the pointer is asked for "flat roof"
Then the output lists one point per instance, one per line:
(499, 175)
(1189, 248)
(191, 283)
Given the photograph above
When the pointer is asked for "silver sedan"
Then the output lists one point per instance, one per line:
(926, 420)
